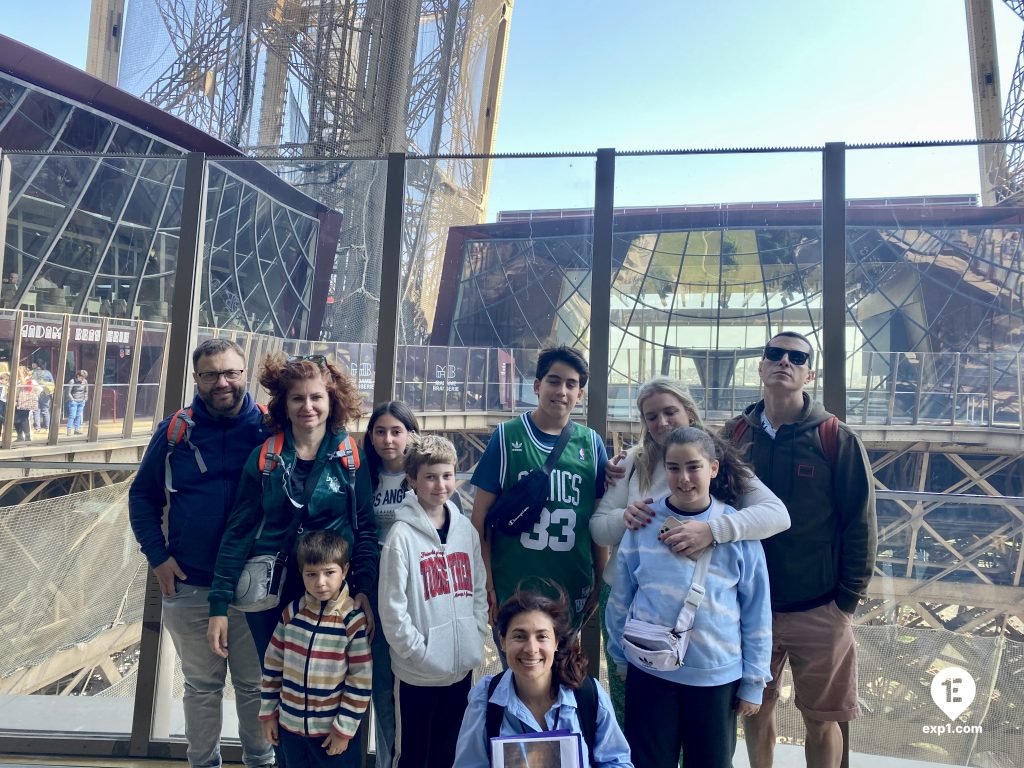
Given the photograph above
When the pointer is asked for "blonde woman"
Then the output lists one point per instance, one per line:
(665, 404)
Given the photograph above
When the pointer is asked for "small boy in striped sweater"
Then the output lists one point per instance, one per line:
(317, 669)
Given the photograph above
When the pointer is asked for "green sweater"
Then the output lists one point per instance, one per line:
(329, 508)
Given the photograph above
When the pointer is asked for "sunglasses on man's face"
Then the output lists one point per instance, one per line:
(775, 354)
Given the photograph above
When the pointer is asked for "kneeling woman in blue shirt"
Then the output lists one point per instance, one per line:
(538, 690)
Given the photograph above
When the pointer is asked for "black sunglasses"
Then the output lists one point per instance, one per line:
(775, 354)
(316, 359)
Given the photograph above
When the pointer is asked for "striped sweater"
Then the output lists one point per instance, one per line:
(317, 669)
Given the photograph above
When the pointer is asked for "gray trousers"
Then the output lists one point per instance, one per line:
(186, 616)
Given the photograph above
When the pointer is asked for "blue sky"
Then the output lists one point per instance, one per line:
(666, 74)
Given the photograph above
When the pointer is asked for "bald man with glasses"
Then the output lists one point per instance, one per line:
(193, 470)
(819, 569)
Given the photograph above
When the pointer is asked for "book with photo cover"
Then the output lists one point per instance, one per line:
(547, 749)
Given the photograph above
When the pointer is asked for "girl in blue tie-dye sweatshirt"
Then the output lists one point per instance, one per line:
(693, 707)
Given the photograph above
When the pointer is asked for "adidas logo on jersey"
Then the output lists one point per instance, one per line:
(516, 445)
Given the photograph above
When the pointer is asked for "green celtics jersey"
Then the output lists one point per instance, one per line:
(558, 546)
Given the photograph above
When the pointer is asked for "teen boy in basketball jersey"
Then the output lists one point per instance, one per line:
(559, 546)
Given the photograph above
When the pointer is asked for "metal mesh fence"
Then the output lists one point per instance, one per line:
(73, 586)
(72, 598)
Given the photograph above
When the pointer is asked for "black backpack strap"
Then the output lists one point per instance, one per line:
(495, 714)
(586, 711)
(556, 451)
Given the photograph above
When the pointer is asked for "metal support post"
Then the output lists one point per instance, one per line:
(13, 382)
(833, 278)
(600, 290)
(60, 397)
(390, 280)
(5, 193)
(96, 403)
(133, 381)
(600, 325)
(178, 387)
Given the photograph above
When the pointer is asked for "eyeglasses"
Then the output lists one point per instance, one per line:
(775, 354)
(211, 377)
(315, 359)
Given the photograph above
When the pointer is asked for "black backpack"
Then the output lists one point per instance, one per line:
(586, 709)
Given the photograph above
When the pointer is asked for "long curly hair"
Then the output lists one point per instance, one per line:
(733, 479)
(278, 375)
(648, 453)
(570, 663)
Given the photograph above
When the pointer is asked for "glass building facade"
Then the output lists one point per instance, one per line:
(94, 199)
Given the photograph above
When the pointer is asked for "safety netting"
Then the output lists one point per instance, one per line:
(73, 587)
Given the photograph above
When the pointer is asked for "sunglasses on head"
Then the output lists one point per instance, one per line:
(775, 354)
(315, 359)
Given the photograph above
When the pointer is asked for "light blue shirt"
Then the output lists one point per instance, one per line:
(474, 749)
(731, 637)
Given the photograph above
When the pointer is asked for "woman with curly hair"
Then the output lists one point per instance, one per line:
(539, 690)
(306, 487)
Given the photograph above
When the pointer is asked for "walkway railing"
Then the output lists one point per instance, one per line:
(883, 388)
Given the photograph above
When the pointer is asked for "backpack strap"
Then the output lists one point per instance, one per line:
(270, 453)
(179, 430)
(348, 453)
(738, 430)
(828, 434)
(586, 713)
(495, 714)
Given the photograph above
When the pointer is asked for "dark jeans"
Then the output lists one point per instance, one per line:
(663, 717)
(304, 752)
(427, 723)
(22, 430)
(263, 623)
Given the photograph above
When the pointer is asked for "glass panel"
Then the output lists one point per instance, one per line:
(280, 237)
(73, 616)
(933, 282)
(92, 235)
(711, 256)
(933, 279)
(70, 246)
(152, 369)
(514, 275)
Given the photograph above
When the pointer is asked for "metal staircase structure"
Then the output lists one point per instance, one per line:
(317, 80)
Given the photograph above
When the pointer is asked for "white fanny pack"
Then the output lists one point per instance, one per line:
(654, 647)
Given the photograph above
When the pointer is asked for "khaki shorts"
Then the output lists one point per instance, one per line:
(823, 656)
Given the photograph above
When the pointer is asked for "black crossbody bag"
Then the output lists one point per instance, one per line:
(518, 508)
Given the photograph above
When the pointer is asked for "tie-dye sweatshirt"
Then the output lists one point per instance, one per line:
(731, 637)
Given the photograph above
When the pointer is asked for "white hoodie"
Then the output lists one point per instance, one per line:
(433, 597)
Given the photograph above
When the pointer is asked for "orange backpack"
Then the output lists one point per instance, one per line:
(347, 451)
(179, 430)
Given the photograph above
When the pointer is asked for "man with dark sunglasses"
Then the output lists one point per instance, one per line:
(820, 568)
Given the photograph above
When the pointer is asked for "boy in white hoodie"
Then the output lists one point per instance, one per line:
(433, 608)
